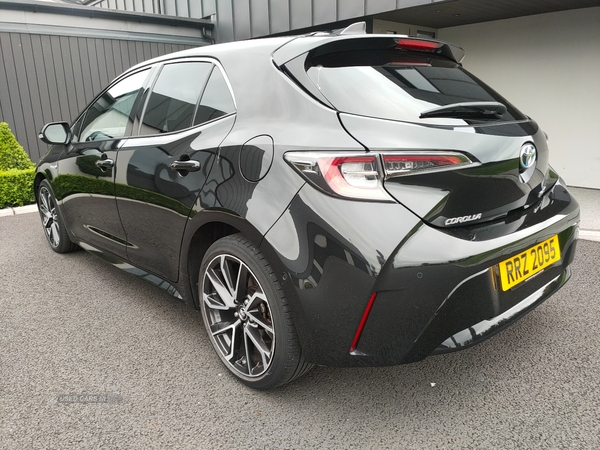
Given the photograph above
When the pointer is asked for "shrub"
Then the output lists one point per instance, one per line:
(16, 171)
(12, 155)
(16, 187)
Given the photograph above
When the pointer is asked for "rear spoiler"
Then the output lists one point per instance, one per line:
(335, 42)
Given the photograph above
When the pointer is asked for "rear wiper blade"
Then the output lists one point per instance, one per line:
(467, 110)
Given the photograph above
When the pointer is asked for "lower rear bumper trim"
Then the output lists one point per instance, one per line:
(487, 328)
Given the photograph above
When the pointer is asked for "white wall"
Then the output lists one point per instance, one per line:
(548, 66)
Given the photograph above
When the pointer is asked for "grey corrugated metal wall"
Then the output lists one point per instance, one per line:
(48, 78)
(243, 19)
(195, 9)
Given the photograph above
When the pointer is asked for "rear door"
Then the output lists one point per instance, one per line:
(160, 173)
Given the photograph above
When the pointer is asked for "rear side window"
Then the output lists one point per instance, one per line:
(216, 100)
(173, 101)
(399, 85)
(111, 116)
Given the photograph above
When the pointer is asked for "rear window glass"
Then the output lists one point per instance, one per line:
(399, 85)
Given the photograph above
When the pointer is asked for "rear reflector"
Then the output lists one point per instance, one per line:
(363, 322)
(417, 45)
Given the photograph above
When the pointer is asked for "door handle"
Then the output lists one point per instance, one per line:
(187, 166)
(105, 163)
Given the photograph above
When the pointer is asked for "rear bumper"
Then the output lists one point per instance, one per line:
(436, 292)
(487, 328)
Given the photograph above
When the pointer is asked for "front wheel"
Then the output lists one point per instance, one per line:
(54, 227)
(246, 315)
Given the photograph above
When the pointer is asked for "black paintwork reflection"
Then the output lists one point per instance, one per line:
(324, 246)
(155, 200)
(556, 201)
(87, 193)
(230, 190)
(155, 203)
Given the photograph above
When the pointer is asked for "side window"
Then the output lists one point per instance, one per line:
(216, 100)
(111, 115)
(174, 97)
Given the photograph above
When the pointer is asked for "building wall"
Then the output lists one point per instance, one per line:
(195, 9)
(53, 65)
(243, 19)
(51, 78)
(548, 66)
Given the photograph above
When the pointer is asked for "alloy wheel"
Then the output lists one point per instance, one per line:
(49, 215)
(238, 316)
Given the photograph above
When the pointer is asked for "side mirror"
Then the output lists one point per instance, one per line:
(56, 133)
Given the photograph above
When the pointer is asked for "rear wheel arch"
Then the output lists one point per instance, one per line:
(216, 225)
(199, 237)
(247, 316)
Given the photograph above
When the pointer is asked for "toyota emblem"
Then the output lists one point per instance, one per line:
(527, 156)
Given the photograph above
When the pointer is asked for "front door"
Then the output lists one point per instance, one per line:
(86, 172)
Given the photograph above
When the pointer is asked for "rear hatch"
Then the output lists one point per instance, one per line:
(451, 149)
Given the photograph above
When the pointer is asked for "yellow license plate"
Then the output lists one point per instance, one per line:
(525, 265)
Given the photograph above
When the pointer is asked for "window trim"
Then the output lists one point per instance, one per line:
(149, 80)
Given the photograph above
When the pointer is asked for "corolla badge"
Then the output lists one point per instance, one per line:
(527, 156)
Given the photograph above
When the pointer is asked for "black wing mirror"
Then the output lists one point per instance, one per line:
(56, 133)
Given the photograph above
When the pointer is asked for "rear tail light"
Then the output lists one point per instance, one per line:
(361, 175)
(398, 165)
(345, 175)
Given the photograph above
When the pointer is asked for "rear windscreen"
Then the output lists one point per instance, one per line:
(399, 85)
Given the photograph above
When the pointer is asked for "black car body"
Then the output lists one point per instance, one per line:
(393, 223)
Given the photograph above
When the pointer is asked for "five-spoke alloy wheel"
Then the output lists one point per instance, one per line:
(246, 315)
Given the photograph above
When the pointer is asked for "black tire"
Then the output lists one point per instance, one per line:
(54, 227)
(246, 315)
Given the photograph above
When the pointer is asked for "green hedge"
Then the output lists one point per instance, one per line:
(12, 155)
(16, 171)
(16, 187)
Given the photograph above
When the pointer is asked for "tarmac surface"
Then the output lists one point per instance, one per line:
(92, 357)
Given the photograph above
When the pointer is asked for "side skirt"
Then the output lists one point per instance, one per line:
(123, 265)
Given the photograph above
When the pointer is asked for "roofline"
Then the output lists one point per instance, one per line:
(91, 12)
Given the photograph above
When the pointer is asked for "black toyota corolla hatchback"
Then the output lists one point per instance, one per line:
(343, 200)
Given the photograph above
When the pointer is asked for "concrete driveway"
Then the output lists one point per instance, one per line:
(91, 357)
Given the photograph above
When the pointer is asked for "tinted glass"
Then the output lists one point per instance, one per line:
(216, 100)
(399, 85)
(111, 115)
(174, 97)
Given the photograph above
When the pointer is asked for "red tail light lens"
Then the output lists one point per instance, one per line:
(346, 175)
(361, 176)
(417, 45)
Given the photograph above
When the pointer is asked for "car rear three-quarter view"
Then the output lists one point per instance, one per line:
(342, 200)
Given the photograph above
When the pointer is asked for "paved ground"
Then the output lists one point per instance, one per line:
(71, 325)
